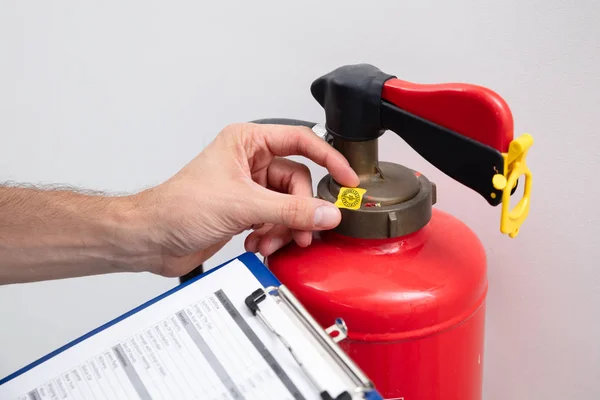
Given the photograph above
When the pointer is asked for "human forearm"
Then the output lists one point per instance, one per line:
(241, 181)
(52, 234)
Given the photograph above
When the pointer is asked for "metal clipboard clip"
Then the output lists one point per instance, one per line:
(327, 339)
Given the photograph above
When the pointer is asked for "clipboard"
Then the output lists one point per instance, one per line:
(261, 300)
(360, 386)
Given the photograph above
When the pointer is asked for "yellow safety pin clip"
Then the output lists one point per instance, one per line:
(514, 167)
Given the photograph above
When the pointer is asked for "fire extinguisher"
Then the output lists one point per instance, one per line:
(408, 279)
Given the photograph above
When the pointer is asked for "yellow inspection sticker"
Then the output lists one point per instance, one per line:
(350, 198)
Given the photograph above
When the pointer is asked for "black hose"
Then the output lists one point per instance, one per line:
(199, 270)
(284, 121)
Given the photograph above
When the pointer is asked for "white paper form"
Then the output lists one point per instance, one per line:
(200, 342)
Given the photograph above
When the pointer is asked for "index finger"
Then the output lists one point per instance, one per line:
(283, 141)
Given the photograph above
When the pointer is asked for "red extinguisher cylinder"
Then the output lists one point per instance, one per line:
(414, 305)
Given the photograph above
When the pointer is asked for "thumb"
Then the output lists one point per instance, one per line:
(297, 212)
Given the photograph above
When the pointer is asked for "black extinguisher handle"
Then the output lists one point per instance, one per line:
(465, 160)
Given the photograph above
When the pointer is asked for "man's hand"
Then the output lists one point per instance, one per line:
(241, 181)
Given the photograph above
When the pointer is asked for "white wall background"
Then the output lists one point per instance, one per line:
(118, 95)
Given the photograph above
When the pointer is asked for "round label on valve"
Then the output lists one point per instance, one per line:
(350, 198)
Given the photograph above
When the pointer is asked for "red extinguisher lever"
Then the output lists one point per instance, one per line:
(462, 157)
(472, 111)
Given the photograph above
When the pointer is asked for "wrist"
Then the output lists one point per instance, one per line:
(128, 228)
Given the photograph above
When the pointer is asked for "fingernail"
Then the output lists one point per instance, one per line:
(274, 245)
(326, 216)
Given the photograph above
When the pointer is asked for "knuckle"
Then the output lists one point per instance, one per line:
(290, 142)
(246, 128)
(235, 127)
(294, 212)
(234, 130)
(299, 177)
(242, 137)
(229, 135)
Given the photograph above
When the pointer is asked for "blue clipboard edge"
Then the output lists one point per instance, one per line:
(252, 262)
